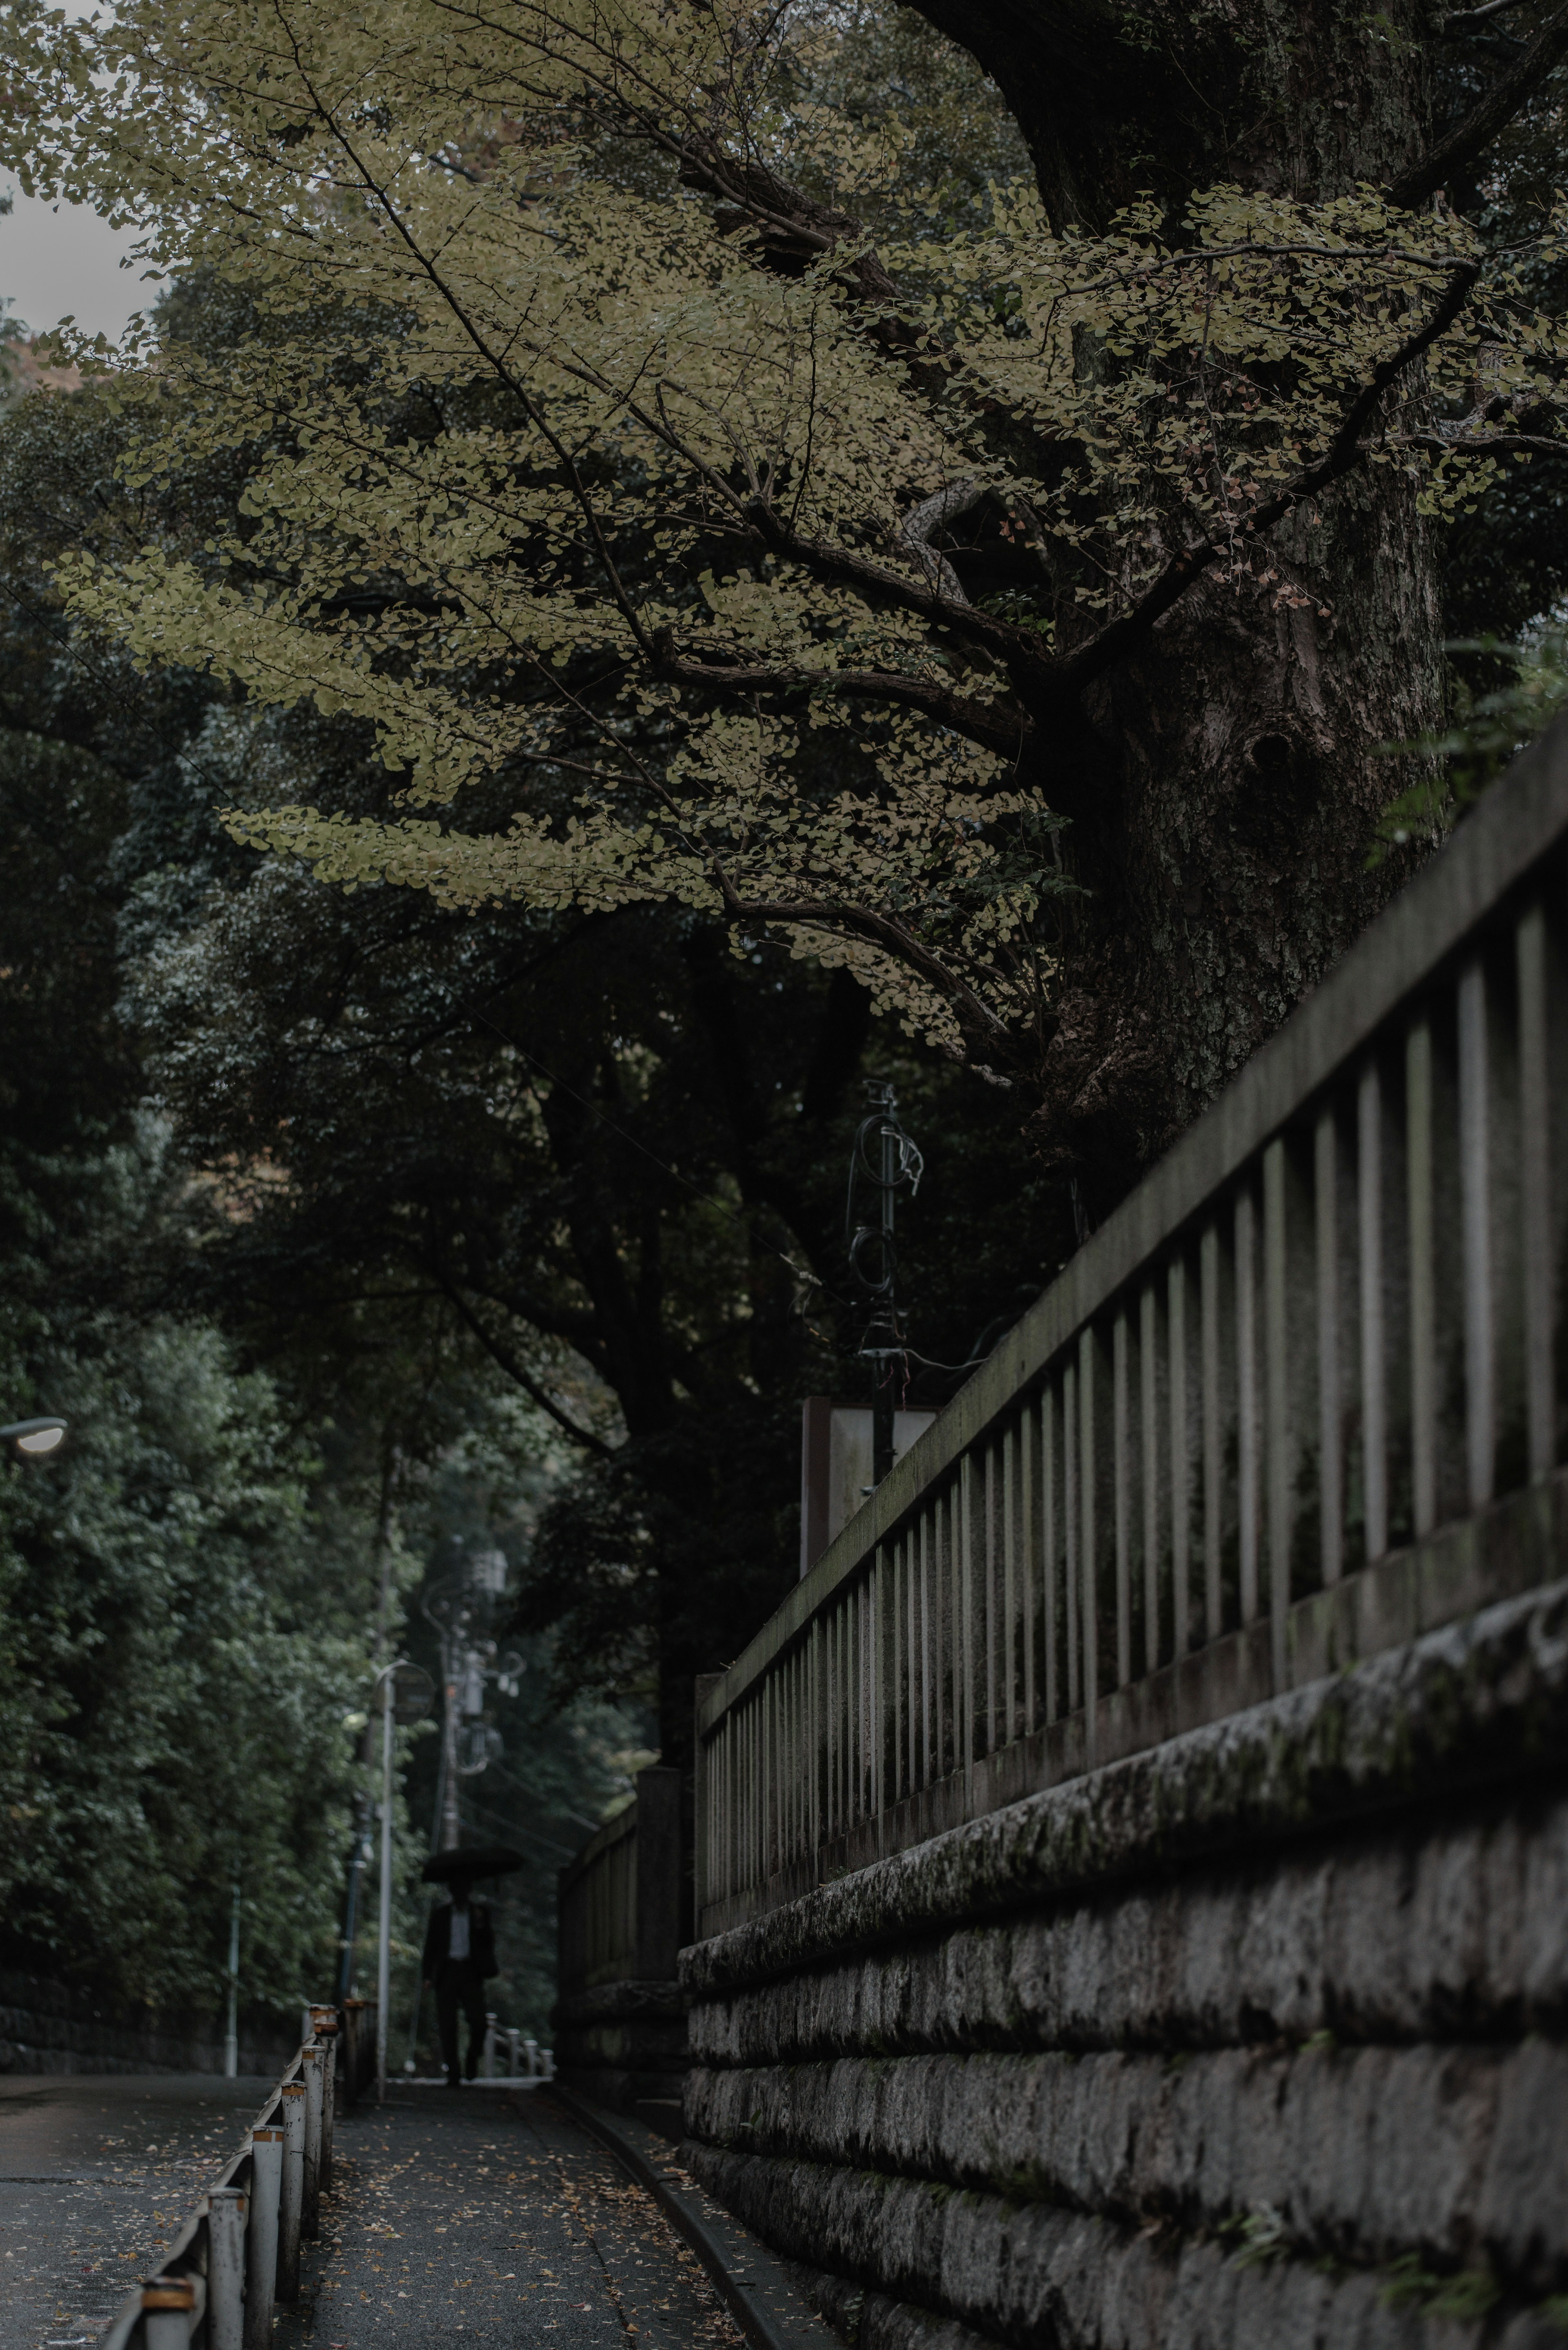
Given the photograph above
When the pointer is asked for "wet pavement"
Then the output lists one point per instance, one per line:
(488, 2216)
(483, 2215)
(97, 2175)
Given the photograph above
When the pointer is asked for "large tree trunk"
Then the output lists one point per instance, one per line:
(1234, 768)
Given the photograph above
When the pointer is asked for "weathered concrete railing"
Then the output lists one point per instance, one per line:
(619, 2023)
(1218, 1457)
(238, 2253)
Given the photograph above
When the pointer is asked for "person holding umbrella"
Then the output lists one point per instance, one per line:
(460, 1948)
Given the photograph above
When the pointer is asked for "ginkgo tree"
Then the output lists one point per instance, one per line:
(620, 418)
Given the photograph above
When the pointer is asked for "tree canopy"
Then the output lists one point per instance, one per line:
(623, 419)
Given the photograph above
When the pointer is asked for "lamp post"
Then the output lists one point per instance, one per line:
(232, 2037)
(406, 1694)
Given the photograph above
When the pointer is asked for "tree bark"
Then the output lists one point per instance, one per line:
(1236, 767)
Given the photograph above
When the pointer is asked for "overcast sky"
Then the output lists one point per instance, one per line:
(55, 262)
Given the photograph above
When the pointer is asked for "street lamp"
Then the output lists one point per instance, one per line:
(30, 1438)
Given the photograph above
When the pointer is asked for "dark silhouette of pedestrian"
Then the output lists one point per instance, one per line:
(459, 1955)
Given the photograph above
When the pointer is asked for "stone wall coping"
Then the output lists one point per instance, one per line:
(1477, 1702)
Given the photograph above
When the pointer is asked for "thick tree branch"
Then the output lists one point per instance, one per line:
(1471, 20)
(993, 729)
(506, 1361)
(882, 931)
(1345, 452)
(1492, 114)
(928, 598)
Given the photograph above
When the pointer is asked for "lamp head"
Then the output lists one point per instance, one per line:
(32, 1438)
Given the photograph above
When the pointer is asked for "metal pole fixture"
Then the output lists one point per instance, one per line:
(384, 1929)
(231, 2035)
(886, 1160)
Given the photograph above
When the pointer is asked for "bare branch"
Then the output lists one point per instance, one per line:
(1491, 115)
(891, 936)
(505, 1360)
(1469, 20)
(1347, 450)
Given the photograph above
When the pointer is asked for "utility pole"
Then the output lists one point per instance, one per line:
(450, 1818)
(885, 1157)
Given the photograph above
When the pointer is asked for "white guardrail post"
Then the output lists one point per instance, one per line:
(324, 2020)
(171, 2310)
(311, 2072)
(261, 2237)
(290, 2209)
(226, 2267)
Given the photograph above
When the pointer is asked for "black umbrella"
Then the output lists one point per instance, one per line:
(471, 1860)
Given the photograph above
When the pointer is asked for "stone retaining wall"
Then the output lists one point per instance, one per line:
(1258, 2039)
(47, 2028)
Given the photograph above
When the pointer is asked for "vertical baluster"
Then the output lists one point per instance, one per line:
(791, 1757)
(854, 1678)
(894, 1765)
(987, 1549)
(1330, 1407)
(1048, 1576)
(1422, 1291)
(1009, 1584)
(1028, 1545)
(798, 1721)
(1071, 1527)
(964, 1679)
(1475, 1202)
(928, 1543)
(1121, 1469)
(947, 1636)
(1087, 1479)
(1247, 1400)
(829, 1726)
(1537, 1251)
(787, 1773)
(1276, 1362)
(878, 1695)
(1213, 1490)
(1369, 1254)
(1149, 1430)
(1180, 1463)
(852, 1697)
(819, 1735)
(911, 1618)
(875, 1683)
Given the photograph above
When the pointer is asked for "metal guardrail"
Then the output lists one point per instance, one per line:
(1254, 1431)
(238, 2254)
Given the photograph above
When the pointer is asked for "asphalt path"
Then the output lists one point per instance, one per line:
(490, 2217)
(97, 2175)
(485, 2215)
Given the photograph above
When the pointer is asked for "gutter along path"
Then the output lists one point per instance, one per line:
(492, 2216)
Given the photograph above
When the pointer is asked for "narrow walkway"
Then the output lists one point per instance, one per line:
(98, 2173)
(489, 2214)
